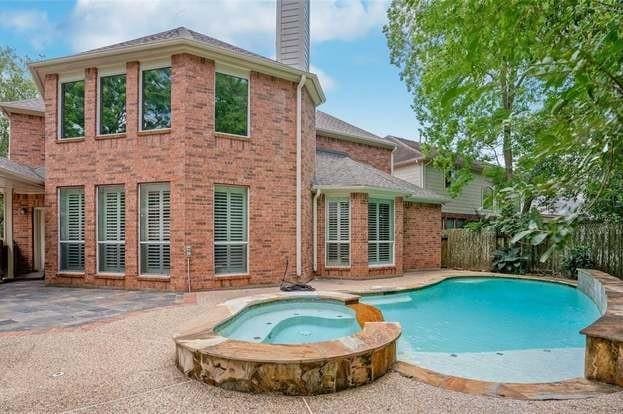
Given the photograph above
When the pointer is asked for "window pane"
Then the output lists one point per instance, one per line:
(72, 109)
(155, 227)
(230, 230)
(380, 231)
(71, 221)
(231, 108)
(111, 229)
(156, 98)
(337, 233)
(112, 104)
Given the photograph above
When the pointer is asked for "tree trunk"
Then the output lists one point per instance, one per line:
(507, 84)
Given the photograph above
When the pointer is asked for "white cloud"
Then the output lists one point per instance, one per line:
(33, 24)
(249, 24)
(326, 81)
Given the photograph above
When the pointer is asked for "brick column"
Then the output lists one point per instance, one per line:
(131, 98)
(359, 235)
(90, 102)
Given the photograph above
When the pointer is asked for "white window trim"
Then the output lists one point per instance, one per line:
(483, 190)
(248, 272)
(58, 226)
(105, 72)
(138, 236)
(97, 240)
(350, 256)
(392, 241)
(66, 78)
(239, 73)
(149, 65)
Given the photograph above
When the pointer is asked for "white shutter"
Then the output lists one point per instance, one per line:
(338, 233)
(155, 229)
(111, 229)
(230, 230)
(380, 232)
(71, 241)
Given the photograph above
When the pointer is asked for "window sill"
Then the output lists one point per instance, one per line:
(70, 274)
(382, 266)
(109, 276)
(65, 140)
(154, 278)
(233, 276)
(153, 132)
(110, 136)
(231, 136)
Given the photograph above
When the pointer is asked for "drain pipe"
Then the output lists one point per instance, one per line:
(315, 229)
(299, 92)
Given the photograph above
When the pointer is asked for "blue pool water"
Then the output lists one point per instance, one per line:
(293, 321)
(492, 329)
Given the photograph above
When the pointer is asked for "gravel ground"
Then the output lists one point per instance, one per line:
(126, 365)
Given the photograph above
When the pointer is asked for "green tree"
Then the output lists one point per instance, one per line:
(15, 84)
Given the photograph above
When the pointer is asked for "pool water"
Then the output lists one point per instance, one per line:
(294, 321)
(492, 329)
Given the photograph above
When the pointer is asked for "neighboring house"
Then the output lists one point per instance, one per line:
(473, 202)
(176, 161)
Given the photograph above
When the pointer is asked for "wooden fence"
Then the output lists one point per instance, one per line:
(465, 249)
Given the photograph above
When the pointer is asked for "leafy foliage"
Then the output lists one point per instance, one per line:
(15, 84)
(579, 257)
(536, 85)
(509, 260)
(72, 109)
(156, 98)
(112, 105)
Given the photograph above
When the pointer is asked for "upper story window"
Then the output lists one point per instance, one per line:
(112, 115)
(450, 177)
(488, 198)
(232, 103)
(71, 114)
(156, 98)
(380, 232)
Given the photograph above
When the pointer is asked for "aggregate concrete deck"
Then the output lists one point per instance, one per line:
(126, 364)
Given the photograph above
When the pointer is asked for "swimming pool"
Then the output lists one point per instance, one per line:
(295, 321)
(492, 329)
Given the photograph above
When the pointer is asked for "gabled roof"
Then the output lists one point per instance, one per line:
(336, 171)
(32, 106)
(336, 128)
(22, 172)
(178, 40)
(406, 150)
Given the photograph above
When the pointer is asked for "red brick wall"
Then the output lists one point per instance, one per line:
(26, 139)
(422, 238)
(23, 212)
(359, 268)
(377, 157)
(193, 159)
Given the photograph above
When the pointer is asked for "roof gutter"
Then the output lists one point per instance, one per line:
(299, 139)
(356, 138)
(380, 190)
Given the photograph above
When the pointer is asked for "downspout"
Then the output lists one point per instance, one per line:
(299, 90)
(315, 229)
(391, 160)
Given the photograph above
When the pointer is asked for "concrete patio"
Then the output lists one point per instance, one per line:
(126, 364)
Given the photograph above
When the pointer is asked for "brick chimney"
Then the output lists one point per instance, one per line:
(293, 33)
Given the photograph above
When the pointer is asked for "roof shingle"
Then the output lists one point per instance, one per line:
(330, 124)
(31, 174)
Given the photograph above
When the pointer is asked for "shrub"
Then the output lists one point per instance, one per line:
(579, 257)
(509, 260)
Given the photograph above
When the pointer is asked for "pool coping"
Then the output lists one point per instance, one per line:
(297, 369)
(574, 388)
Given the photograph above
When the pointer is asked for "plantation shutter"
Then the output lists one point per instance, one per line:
(111, 229)
(380, 232)
(155, 229)
(71, 203)
(338, 233)
(230, 230)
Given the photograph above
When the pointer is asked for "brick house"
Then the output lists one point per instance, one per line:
(179, 162)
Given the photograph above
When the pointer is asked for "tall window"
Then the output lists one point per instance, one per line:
(156, 99)
(72, 109)
(71, 234)
(380, 232)
(112, 104)
(231, 104)
(111, 229)
(338, 233)
(155, 226)
(230, 230)
(488, 200)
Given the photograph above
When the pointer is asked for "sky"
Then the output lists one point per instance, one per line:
(348, 49)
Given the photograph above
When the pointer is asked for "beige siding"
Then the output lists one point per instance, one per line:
(411, 173)
(470, 199)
